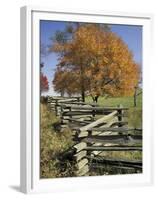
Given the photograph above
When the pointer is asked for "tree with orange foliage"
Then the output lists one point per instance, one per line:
(65, 82)
(98, 60)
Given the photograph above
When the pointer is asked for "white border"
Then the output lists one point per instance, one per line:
(30, 181)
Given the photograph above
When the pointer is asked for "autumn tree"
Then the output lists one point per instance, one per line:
(65, 82)
(114, 72)
(98, 60)
(72, 61)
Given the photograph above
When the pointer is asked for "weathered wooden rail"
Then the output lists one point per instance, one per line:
(97, 130)
(56, 102)
(77, 116)
(105, 135)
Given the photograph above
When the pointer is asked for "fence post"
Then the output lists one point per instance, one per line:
(56, 110)
(120, 116)
(78, 99)
(80, 157)
(93, 112)
(70, 112)
(61, 115)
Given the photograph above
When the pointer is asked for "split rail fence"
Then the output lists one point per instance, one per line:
(97, 130)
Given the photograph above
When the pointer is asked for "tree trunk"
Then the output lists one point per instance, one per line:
(62, 93)
(95, 98)
(83, 95)
(82, 84)
(135, 97)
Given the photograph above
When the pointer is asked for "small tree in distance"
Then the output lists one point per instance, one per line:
(44, 86)
(44, 83)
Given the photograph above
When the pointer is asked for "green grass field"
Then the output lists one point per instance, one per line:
(134, 113)
(115, 101)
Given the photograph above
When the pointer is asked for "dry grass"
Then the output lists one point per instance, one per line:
(52, 145)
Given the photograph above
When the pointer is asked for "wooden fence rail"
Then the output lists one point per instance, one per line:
(97, 130)
(106, 134)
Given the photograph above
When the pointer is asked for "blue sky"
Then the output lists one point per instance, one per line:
(130, 34)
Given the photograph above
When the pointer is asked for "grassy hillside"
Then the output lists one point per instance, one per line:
(134, 113)
(115, 101)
